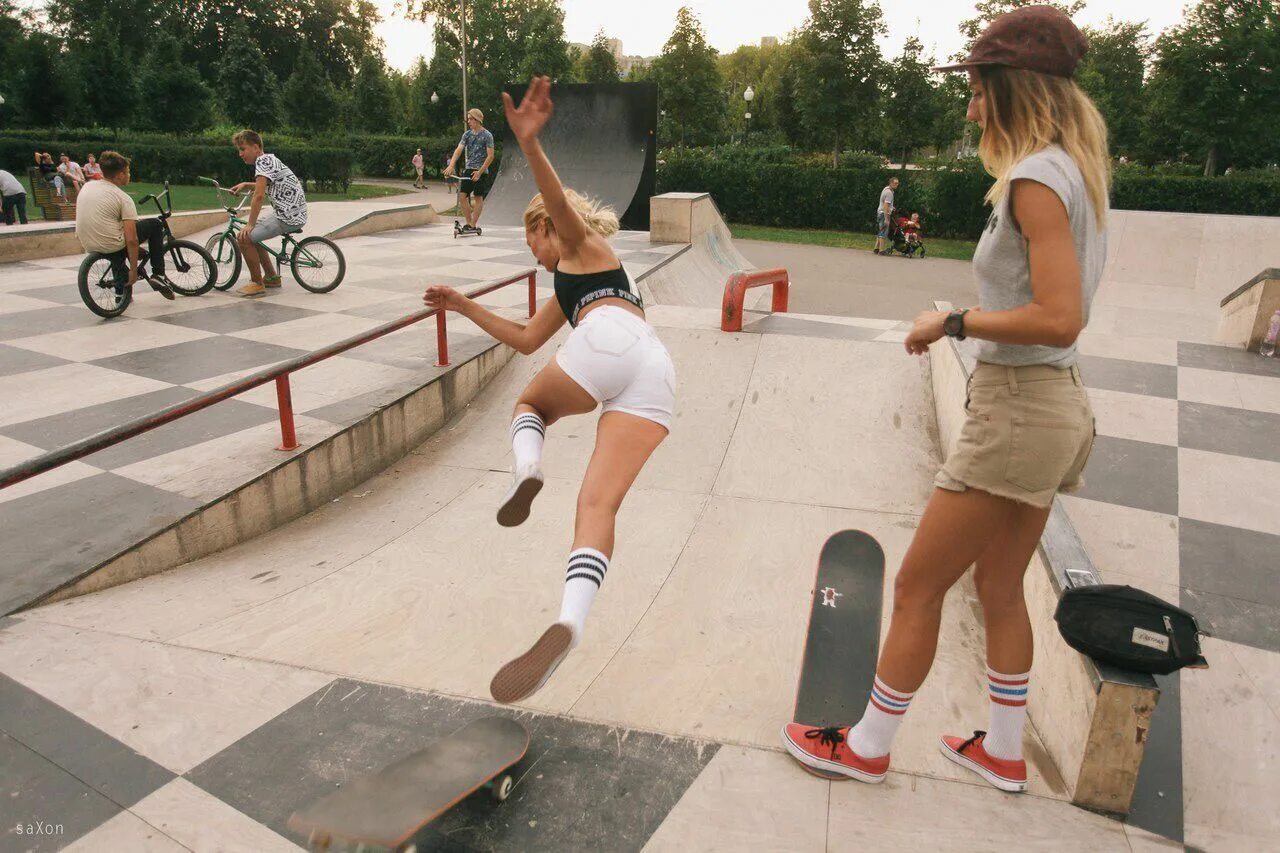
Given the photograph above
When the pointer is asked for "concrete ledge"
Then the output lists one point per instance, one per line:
(17, 244)
(387, 220)
(1247, 310)
(1093, 719)
(301, 482)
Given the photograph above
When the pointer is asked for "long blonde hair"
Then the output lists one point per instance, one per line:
(1028, 111)
(599, 218)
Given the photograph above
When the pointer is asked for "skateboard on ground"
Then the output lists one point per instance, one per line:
(843, 642)
(458, 231)
(388, 808)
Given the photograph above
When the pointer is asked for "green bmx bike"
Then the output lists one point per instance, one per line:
(316, 262)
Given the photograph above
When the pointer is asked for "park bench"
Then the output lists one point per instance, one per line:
(43, 194)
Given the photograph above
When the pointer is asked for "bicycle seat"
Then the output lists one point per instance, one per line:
(293, 229)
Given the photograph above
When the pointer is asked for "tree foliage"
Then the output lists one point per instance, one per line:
(910, 104)
(690, 88)
(1112, 74)
(598, 64)
(838, 91)
(248, 88)
(173, 96)
(310, 100)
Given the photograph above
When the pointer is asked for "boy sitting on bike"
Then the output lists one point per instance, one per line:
(288, 213)
(107, 222)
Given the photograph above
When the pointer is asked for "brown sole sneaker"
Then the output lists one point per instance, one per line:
(515, 509)
(523, 676)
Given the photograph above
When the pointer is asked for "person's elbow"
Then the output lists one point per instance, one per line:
(526, 345)
(1065, 329)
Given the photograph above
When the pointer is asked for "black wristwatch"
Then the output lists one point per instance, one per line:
(953, 326)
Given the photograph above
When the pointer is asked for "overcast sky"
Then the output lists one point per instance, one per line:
(730, 23)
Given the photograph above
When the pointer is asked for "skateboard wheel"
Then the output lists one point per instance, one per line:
(502, 788)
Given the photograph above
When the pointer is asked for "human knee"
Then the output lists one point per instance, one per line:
(997, 595)
(597, 502)
(912, 593)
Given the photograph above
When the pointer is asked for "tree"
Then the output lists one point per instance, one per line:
(249, 91)
(690, 88)
(1215, 76)
(749, 66)
(777, 91)
(310, 100)
(375, 107)
(1112, 74)
(838, 92)
(507, 40)
(598, 64)
(951, 103)
(177, 100)
(911, 107)
(106, 76)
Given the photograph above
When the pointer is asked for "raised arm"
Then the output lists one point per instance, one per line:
(526, 123)
(523, 338)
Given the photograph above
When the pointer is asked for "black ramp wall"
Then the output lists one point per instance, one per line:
(601, 140)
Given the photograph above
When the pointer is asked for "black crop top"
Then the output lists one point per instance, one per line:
(575, 291)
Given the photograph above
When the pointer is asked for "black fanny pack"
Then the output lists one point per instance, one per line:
(1129, 628)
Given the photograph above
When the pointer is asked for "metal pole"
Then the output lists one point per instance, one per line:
(464, 63)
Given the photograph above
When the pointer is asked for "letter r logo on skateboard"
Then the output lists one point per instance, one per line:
(829, 596)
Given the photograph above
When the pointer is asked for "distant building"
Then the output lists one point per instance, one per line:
(625, 63)
(768, 41)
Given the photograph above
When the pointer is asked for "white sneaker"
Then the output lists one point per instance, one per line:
(525, 484)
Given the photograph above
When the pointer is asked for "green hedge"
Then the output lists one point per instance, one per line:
(182, 162)
(759, 190)
(370, 155)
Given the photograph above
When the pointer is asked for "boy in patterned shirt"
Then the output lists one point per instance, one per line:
(276, 182)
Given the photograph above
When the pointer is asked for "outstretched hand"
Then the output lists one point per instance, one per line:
(535, 109)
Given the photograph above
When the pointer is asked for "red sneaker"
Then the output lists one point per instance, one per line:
(825, 749)
(1008, 776)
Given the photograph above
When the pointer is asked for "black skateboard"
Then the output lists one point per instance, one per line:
(459, 231)
(843, 642)
(388, 808)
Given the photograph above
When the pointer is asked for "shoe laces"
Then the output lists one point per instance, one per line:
(977, 736)
(828, 736)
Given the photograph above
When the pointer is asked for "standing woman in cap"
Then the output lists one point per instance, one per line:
(1028, 428)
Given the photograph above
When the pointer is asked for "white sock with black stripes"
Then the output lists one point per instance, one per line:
(527, 433)
(582, 580)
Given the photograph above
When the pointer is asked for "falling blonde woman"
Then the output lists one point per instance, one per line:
(612, 357)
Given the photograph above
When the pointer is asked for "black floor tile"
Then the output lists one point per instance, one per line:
(195, 360)
(1238, 432)
(1132, 473)
(1133, 377)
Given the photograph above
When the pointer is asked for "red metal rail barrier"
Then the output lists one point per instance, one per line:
(279, 374)
(735, 294)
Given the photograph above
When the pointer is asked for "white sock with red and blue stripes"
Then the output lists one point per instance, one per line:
(1008, 714)
(873, 735)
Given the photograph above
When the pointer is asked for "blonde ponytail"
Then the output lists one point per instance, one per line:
(598, 217)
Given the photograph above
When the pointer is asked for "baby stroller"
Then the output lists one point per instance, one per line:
(905, 236)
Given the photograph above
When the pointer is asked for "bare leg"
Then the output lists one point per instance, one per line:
(998, 576)
(250, 253)
(957, 528)
(464, 202)
(552, 395)
(264, 257)
(623, 444)
(478, 207)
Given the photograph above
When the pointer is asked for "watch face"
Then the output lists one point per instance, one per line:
(951, 325)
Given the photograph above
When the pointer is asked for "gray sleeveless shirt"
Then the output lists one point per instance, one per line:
(1002, 264)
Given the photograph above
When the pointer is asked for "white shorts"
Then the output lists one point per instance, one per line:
(618, 359)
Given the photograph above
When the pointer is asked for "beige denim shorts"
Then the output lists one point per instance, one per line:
(1027, 434)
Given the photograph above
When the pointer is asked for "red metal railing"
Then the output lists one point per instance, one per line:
(279, 374)
(735, 294)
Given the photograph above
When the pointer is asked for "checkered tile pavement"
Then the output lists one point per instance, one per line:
(66, 374)
(1182, 493)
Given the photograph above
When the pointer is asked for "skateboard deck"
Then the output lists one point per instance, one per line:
(389, 807)
(843, 643)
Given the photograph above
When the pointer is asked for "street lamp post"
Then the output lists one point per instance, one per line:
(748, 96)
(464, 62)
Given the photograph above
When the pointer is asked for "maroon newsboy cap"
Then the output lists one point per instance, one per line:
(1034, 38)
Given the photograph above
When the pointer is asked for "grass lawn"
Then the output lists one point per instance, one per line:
(957, 250)
(202, 197)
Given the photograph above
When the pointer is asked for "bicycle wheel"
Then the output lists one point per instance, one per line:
(189, 267)
(318, 264)
(99, 289)
(226, 255)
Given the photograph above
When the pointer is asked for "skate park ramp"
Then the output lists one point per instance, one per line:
(602, 140)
